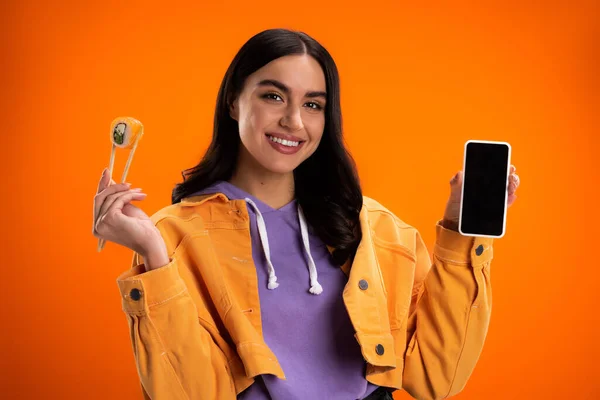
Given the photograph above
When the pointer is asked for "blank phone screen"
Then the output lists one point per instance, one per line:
(485, 189)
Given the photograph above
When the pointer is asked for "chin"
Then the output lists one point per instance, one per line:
(279, 167)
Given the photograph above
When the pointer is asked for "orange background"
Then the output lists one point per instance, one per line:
(417, 82)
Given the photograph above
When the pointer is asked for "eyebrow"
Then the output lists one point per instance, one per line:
(286, 90)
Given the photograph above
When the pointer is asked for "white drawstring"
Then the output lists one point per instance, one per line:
(315, 287)
(262, 231)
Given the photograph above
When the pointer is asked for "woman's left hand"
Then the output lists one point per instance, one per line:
(452, 212)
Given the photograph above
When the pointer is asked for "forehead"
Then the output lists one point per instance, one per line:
(298, 72)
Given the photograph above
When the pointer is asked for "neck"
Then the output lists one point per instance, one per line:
(273, 189)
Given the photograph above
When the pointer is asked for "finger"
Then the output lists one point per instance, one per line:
(118, 205)
(104, 179)
(111, 198)
(456, 178)
(513, 181)
(512, 169)
(511, 199)
(101, 186)
(100, 197)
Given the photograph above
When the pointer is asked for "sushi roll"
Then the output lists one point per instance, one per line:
(125, 131)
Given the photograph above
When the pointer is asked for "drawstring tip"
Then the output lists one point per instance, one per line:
(272, 283)
(316, 288)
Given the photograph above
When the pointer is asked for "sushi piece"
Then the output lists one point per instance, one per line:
(125, 131)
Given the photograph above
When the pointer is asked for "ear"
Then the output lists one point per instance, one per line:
(233, 109)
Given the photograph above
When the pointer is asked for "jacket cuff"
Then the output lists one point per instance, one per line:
(141, 290)
(455, 248)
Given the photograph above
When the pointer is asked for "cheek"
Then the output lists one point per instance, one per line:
(315, 127)
(254, 120)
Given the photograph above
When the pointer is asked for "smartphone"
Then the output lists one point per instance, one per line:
(484, 198)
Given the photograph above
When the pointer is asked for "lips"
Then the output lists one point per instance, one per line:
(288, 144)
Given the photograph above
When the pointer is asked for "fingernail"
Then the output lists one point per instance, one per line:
(137, 189)
(127, 184)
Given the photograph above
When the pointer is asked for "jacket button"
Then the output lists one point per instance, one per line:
(479, 250)
(135, 294)
(363, 285)
(379, 349)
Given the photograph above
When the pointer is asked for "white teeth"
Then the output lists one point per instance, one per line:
(284, 142)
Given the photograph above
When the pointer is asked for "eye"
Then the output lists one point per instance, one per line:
(272, 96)
(314, 106)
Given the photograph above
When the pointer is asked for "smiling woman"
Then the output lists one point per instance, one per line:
(218, 298)
(283, 85)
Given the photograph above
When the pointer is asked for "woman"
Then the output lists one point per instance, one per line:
(271, 276)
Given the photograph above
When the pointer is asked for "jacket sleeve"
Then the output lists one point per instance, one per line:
(449, 314)
(175, 356)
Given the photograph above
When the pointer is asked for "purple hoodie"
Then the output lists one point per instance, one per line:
(311, 334)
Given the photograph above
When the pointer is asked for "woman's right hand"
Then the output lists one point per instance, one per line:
(119, 221)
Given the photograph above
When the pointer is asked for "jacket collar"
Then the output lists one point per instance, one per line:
(203, 198)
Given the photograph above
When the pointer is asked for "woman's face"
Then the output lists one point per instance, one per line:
(281, 112)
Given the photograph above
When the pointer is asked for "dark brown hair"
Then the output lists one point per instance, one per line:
(327, 185)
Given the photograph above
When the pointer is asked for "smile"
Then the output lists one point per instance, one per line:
(287, 144)
(283, 142)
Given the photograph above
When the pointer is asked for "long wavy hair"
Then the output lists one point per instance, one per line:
(326, 184)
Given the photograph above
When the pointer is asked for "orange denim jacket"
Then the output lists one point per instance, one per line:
(195, 324)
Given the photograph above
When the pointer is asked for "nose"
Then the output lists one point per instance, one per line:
(292, 119)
